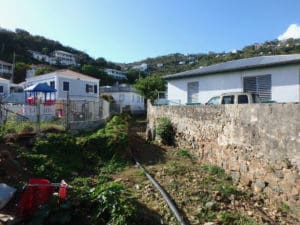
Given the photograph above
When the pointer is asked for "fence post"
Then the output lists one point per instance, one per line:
(1, 113)
(38, 116)
(68, 112)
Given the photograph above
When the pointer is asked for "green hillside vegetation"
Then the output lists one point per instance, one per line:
(175, 63)
(20, 41)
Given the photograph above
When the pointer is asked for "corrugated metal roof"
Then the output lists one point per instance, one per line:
(240, 64)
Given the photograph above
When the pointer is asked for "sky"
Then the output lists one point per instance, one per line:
(131, 30)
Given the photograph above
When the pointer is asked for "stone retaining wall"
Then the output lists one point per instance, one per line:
(258, 144)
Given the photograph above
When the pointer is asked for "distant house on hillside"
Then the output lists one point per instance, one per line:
(142, 67)
(271, 77)
(57, 57)
(117, 74)
(67, 82)
(5, 68)
(126, 97)
(64, 58)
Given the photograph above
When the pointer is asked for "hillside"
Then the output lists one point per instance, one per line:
(177, 62)
(20, 41)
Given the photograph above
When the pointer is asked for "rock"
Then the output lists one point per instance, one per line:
(235, 177)
(259, 185)
(210, 205)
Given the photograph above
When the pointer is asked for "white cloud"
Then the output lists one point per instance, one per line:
(293, 31)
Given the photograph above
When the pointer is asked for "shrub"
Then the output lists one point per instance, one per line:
(164, 129)
(115, 204)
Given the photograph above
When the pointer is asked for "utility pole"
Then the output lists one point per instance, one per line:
(13, 67)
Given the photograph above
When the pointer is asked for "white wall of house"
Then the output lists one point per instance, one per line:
(285, 84)
(77, 86)
(4, 87)
(132, 99)
(116, 74)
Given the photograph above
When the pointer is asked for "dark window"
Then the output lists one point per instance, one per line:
(228, 99)
(88, 88)
(95, 89)
(66, 86)
(52, 84)
(242, 99)
(1, 89)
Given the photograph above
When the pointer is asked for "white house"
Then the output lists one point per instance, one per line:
(39, 56)
(67, 82)
(4, 87)
(142, 67)
(125, 96)
(272, 77)
(64, 58)
(117, 74)
(5, 68)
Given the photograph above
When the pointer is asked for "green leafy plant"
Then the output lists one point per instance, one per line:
(114, 204)
(164, 130)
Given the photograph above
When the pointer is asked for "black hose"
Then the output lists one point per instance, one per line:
(163, 194)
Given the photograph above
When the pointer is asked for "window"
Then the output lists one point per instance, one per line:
(89, 88)
(52, 84)
(1, 89)
(242, 99)
(260, 85)
(228, 99)
(95, 89)
(193, 90)
(66, 86)
(214, 101)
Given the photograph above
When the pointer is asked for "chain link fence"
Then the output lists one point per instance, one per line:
(63, 112)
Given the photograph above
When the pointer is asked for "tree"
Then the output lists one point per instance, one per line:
(133, 76)
(150, 86)
(90, 70)
(20, 72)
(43, 70)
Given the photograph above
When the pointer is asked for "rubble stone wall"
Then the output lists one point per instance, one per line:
(258, 144)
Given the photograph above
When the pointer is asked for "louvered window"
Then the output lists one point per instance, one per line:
(260, 85)
(193, 92)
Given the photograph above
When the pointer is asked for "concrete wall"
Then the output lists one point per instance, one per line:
(285, 84)
(258, 144)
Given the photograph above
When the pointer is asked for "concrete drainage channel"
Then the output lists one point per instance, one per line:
(163, 193)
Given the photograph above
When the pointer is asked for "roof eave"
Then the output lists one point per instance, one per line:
(174, 77)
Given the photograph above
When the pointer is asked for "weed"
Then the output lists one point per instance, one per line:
(115, 204)
(165, 130)
(185, 154)
(214, 170)
(115, 165)
(228, 218)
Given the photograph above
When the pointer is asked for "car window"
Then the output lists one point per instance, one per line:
(214, 101)
(243, 99)
(228, 99)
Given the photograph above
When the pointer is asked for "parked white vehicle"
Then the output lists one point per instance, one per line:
(234, 98)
